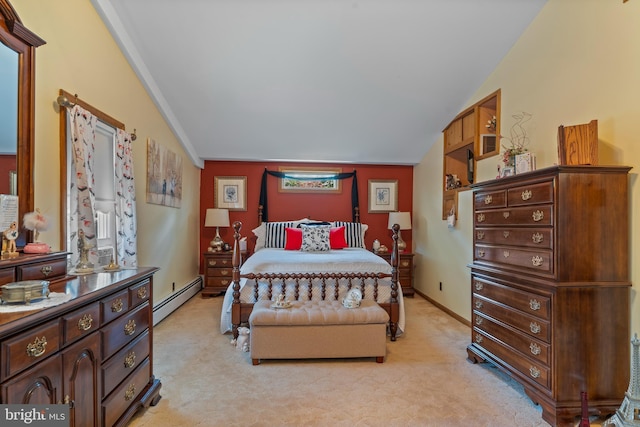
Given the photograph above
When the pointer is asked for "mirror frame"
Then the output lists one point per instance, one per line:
(18, 38)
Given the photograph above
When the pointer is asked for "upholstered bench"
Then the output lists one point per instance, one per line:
(318, 329)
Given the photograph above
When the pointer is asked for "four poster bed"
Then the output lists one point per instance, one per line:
(306, 260)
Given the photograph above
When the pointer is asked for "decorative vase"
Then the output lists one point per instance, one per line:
(376, 245)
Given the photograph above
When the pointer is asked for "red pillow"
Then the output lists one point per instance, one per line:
(337, 238)
(293, 240)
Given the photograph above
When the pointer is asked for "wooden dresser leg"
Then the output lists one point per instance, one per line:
(380, 359)
(255, 361)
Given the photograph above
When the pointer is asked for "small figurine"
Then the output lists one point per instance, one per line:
(11, 234)
(83, 250)
(37, 222)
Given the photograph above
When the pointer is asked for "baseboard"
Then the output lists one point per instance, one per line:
(445, 309)
(175, 300)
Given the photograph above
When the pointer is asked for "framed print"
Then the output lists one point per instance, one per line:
(310, 180)
(507, 171)
(230, 192)
(164, 175)
(383, 195)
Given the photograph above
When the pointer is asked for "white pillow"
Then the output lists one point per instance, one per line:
(261, 232)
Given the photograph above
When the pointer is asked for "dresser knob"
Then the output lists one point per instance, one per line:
(479, 338)
(85, 322)
(534, 327)
(481, 254)
(537, 215)
(537, 261)
(506, 215)
(130, 327)
(537, 237)
(46, 270)
(480, 217)
(505, 234)
(37, 347)
(479, 320)
(526, 194)
(478, 305)
(534, 372)
(117, 305)
(130, 392)
(488, 199)
(478, 285)
(506, 254)
(130, 359)
(534, 304)
(142, 292)
(480, 235)
(535, 349)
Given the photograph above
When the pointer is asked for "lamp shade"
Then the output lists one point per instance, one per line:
(403, 219)
(217, 218)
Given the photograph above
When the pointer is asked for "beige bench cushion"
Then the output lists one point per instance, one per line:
(317, 313)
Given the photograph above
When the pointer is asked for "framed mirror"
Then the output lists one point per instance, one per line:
(17, 80)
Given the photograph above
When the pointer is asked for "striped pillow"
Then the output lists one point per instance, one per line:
(276, 236)
(354, 233)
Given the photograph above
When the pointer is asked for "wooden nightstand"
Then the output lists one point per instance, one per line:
(217, 272)
(405, 271)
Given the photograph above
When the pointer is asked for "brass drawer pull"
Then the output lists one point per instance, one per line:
(479, 338)
(479, 321)
(537, 237)
(534, 304)
(505, 215)
(404, 264)
(213, 262)
(537, 261)
(479, 305)
(488, 199)
(505, 234)
(535, 349)
(480, 254)
(534, 327)
(506, 254)
(534, 372)
(480, 217)
(85, 322)
(130, 359)
(142, 292)
(537, 215)
(117, 306)
(224, 282)
(526, 194)
(37, 347)
(130, 327)
(46, 270)
(224, 272)
(478, 286)
(480, 235)
(130, 392)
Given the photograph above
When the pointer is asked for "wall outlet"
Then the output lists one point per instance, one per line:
(173, 287)
(440, 285)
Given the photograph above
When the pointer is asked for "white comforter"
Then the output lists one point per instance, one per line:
(269, 260)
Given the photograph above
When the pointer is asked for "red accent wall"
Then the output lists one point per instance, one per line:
(7, 164)
(289, 206)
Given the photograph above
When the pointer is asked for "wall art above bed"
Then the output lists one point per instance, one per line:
(310, 180)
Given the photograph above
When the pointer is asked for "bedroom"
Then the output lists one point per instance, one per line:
(576, 62)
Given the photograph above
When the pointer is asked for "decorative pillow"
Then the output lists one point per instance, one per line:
(315, 238)
(261, 233)
(313, 223)
(275, 234)
(354, 233)
(337, 238)
(293, 239)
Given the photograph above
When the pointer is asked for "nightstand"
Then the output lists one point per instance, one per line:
(405, 271)
(217, 272)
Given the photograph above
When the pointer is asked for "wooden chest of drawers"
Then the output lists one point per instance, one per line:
(550, 285)
(405, 271)
(217, 272)
(93, 352)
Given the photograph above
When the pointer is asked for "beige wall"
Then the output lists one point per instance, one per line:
(81, 57)
(579, 60)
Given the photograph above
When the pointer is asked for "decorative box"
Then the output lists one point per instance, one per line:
(525, 162)
(24, 291)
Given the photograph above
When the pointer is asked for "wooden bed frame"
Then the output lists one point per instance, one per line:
(240, 311)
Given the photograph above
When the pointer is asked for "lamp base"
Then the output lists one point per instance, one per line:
(402, 245)
(217, 243)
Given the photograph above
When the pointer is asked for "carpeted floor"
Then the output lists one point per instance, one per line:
(424, 381)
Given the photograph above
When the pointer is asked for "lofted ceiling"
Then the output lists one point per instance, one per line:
(366, 81)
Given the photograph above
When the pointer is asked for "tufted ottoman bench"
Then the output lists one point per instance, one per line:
(318, 329)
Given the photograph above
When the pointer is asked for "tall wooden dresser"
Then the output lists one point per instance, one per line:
(550, 285)
(93, 352)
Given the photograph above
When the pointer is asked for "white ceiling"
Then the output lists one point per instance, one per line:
(366, 81)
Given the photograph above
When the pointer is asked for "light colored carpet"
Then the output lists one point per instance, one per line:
(425, 380)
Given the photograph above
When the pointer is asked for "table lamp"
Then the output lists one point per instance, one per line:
(403, 219)
(216, 218)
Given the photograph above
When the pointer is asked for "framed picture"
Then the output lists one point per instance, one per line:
(164, 175)
(488, 143)
(507, 171)
(383, 195)
(310, 180)
(230, 192)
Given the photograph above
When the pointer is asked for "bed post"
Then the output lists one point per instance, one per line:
(356, 212)
(395, 311)
(259, 214)
(236, 261)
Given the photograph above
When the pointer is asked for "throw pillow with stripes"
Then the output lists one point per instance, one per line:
(354, 233)
(276, 236)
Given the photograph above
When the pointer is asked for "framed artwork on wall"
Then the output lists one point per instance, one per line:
(164, 175)
(383, 195)
(230, 192)
(310, 180)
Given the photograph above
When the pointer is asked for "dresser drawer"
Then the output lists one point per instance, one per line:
(529, 215)
(220, 262)
(531, 194)
(124, 362)
(7, 275)
(48, 270)
(527, 302)
(114, 306)
(220, 272)
(121, 331)
(29, 347)
(535, 349)
(534, 371)
(218, 282)
(530, 237)
(490, 199)
(81, 322)
(540, 261)
(533, 326)
(139, 293)
(114, 406)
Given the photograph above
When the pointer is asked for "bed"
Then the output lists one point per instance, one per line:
(312, 275)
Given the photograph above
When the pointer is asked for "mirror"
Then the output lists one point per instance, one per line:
(17, 74)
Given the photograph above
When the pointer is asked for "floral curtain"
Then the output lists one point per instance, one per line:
(125, 202)
(82, 125)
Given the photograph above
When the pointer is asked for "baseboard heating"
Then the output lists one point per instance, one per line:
(175, 300)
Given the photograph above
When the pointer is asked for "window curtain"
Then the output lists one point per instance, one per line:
(345, 175)
(82, 125)
(127, 252)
